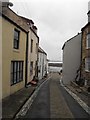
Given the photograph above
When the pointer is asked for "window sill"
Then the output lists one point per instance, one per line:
(16, 82)
(16, 50)
(88, 48)
(87, 71)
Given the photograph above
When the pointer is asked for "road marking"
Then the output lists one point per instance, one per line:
(29, 102)
(82, 103)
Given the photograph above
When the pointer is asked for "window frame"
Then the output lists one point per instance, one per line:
(36, 48)
(87, 41)
(16, 39)
(87, 64)
(31, 45)
(16, 71)
(31, 68)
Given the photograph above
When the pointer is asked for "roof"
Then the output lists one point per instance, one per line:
(88, 12)
(28, 20)
(33, 28)
(12, 17)
(41, 50)
(70, 40)
(88, 24)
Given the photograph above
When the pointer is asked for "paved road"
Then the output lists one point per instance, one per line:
(53, 101)
(41, 105)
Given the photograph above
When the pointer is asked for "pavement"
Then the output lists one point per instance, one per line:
(81, 92)
(12, 104)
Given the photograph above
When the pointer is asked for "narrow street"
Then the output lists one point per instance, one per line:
(53, 101)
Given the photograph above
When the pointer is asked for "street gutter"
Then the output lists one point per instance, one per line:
(81, 102)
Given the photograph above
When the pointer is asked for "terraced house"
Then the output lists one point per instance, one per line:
(19, 51)
(85, 56)
(32, 50)
(14, 38)
(42, 63)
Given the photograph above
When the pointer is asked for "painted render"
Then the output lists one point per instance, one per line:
(0, 58)
(71, 58)
(42, 63)
(9, 53)
(32, 56)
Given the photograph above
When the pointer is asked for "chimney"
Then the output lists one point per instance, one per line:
(88, 11)
(4, 0)
(6, 3)
(35, 29)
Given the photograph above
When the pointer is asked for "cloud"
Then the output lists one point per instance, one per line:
(57, 21)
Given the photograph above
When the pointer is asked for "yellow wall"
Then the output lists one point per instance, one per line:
(9, 54)
(0, 57)
(32, 56)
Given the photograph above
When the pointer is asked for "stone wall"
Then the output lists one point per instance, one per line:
(85, 53)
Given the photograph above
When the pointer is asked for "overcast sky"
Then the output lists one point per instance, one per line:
(56, 20)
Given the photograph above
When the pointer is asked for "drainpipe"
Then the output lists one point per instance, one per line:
(26, 64)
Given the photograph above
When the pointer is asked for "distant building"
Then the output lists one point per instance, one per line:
(71, 58)
(42, 63)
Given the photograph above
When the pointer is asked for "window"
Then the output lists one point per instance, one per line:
(16, 39)
(87, 64)
(16, 72)
(36, 48)
(31, 68)
(88, 40)
(31, 46)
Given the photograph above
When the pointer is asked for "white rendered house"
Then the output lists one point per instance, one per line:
(71, 58)
(42, 63)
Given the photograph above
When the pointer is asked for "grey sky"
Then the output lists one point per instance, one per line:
(56, 20)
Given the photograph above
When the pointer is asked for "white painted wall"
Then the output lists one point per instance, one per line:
(42, 65)
(71, 59)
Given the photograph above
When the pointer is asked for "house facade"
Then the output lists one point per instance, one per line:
(32, 50)
(85, 57)
(71, 58)
(0, 55)
(34, 43)
(42, 63)
(14, 38)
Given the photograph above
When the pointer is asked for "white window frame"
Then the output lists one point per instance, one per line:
(88, 39)
(87, 64)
